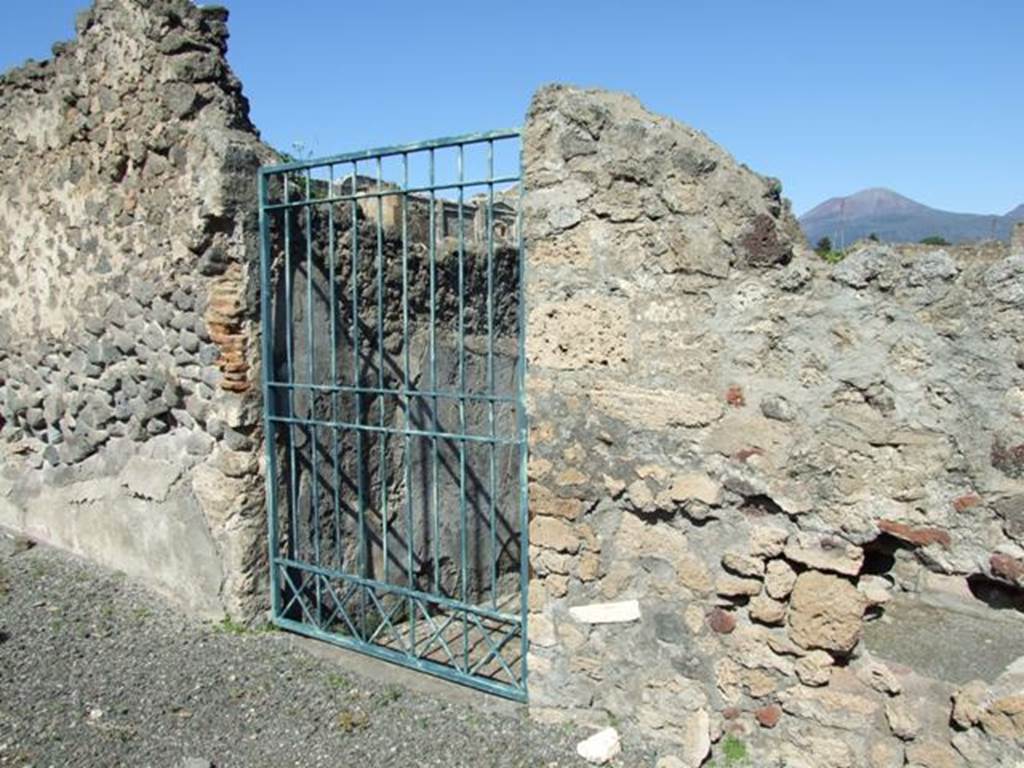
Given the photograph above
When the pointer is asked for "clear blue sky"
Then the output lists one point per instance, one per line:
(923, 96)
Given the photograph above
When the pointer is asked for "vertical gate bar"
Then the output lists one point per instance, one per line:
(293, 536)
(267, 374)
(491, 389)
(382, 439)
(434, 494)
(463, 532)
(522, 429)
(410, 534)
(333, 297)
(311, 430)
(358, 381)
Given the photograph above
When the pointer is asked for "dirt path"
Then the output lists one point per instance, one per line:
(96, 671)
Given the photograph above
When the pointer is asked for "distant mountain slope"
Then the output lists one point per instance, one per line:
(895, 218)
(1017, 214)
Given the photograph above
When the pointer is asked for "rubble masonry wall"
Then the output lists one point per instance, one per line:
(760, 448)
(128, 412)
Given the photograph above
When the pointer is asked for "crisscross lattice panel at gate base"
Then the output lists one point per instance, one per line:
(393, 340)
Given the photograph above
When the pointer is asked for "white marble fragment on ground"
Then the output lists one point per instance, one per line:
(601, 747)
(606, 613)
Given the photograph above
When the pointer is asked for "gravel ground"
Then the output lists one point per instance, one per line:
(97, 671)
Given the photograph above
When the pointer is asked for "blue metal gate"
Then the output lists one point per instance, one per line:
(392, 319)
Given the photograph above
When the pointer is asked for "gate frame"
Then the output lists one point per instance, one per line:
(275, 560)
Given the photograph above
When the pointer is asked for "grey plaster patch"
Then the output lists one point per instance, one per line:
(168, 545)
(150, 478)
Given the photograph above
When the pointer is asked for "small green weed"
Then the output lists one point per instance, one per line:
(832, 257)
(390, 694)
(827, 253)
(229, 626)
(338, 680)
(733, 749)
(141, 614)
(734, 754)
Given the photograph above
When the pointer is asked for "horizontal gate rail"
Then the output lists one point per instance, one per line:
(306, 202)
(397, 590)
(395, 392)
(440, 434)
(394, 410)
(392, 151)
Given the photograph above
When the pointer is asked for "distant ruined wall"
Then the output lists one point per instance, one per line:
(1017, 238)
(767, 452)
(128, 409)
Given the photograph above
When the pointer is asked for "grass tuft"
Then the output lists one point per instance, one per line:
(338, 680)
(229, 626)
(390, 694)
(734, 754)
